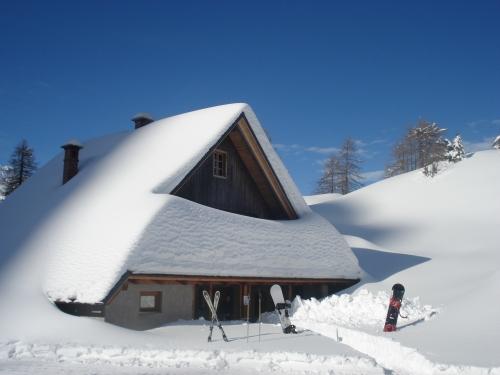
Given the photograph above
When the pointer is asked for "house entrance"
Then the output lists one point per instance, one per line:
(267, 303)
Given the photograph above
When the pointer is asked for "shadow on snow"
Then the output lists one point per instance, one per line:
(380, 264)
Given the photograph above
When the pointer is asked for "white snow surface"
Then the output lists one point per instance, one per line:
(439, 238)
(117, 214)
(182, 348)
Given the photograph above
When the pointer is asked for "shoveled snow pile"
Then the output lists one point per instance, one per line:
(363, 309)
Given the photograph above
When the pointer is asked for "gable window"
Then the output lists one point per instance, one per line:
(220, 164)
(150, 302)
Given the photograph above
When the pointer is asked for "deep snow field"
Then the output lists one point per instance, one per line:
(437, 236)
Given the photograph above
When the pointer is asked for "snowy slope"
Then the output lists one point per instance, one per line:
(439, 237)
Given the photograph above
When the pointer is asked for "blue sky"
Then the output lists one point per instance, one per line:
(314, 72)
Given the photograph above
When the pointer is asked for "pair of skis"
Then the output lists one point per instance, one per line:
(213, 310)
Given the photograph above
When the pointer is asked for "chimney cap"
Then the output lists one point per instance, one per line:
(142, 115)
(72, 142)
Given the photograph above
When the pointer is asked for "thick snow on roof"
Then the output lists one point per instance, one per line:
(116, 215)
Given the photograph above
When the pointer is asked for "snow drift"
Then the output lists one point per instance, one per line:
(439, 238)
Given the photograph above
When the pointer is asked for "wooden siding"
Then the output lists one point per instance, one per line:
(81, 309)
(237, 193)
(264, 197)
(200, 279)
(263, 174)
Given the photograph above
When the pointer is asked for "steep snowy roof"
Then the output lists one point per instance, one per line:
(117, 214)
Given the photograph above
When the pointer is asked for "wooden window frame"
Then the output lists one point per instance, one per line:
(157, 307)
(216, 168)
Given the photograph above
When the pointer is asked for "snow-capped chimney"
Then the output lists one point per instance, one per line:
(142, 119)
(71, 151)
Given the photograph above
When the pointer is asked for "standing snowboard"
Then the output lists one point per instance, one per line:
(282, 309)
(391, 320)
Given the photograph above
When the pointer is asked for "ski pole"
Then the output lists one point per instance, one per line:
(260, 314)
(248, 317)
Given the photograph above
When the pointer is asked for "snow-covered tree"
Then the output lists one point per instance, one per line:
(349, 167)
(21, 166)
(329, 181)
(496, 143)
(3, 175)
(455, 149)
(421, 147)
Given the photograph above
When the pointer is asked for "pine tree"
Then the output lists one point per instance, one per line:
(329, 181)
(455, 151)
(22, 165)
(349, 167)
(4, 170)
(496, 143)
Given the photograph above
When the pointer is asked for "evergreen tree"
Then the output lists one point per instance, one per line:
(3, 175)
(329, 181)
(496, 143)
(455, 149)
(21, 166)
(349, 176)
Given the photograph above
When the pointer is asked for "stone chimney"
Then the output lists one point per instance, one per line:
(71, 151)
(142, 119)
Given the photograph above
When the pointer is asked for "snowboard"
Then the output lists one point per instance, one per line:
(391, 320)
(281, 308)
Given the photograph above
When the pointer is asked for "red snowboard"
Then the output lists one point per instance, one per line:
(391, 320)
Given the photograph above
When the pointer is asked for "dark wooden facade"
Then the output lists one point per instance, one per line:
(250, 188)
(234, 288)
(236, 193)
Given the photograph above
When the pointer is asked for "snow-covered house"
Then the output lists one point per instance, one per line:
(145, 221)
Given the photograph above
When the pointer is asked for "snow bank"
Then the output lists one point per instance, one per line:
(360, 310)
(208, 360)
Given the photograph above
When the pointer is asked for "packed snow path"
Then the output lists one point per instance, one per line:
(182, 349)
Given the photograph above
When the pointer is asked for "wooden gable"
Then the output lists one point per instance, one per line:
(250, 187)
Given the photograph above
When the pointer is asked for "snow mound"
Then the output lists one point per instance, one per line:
(363, 309)
(438, 237)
